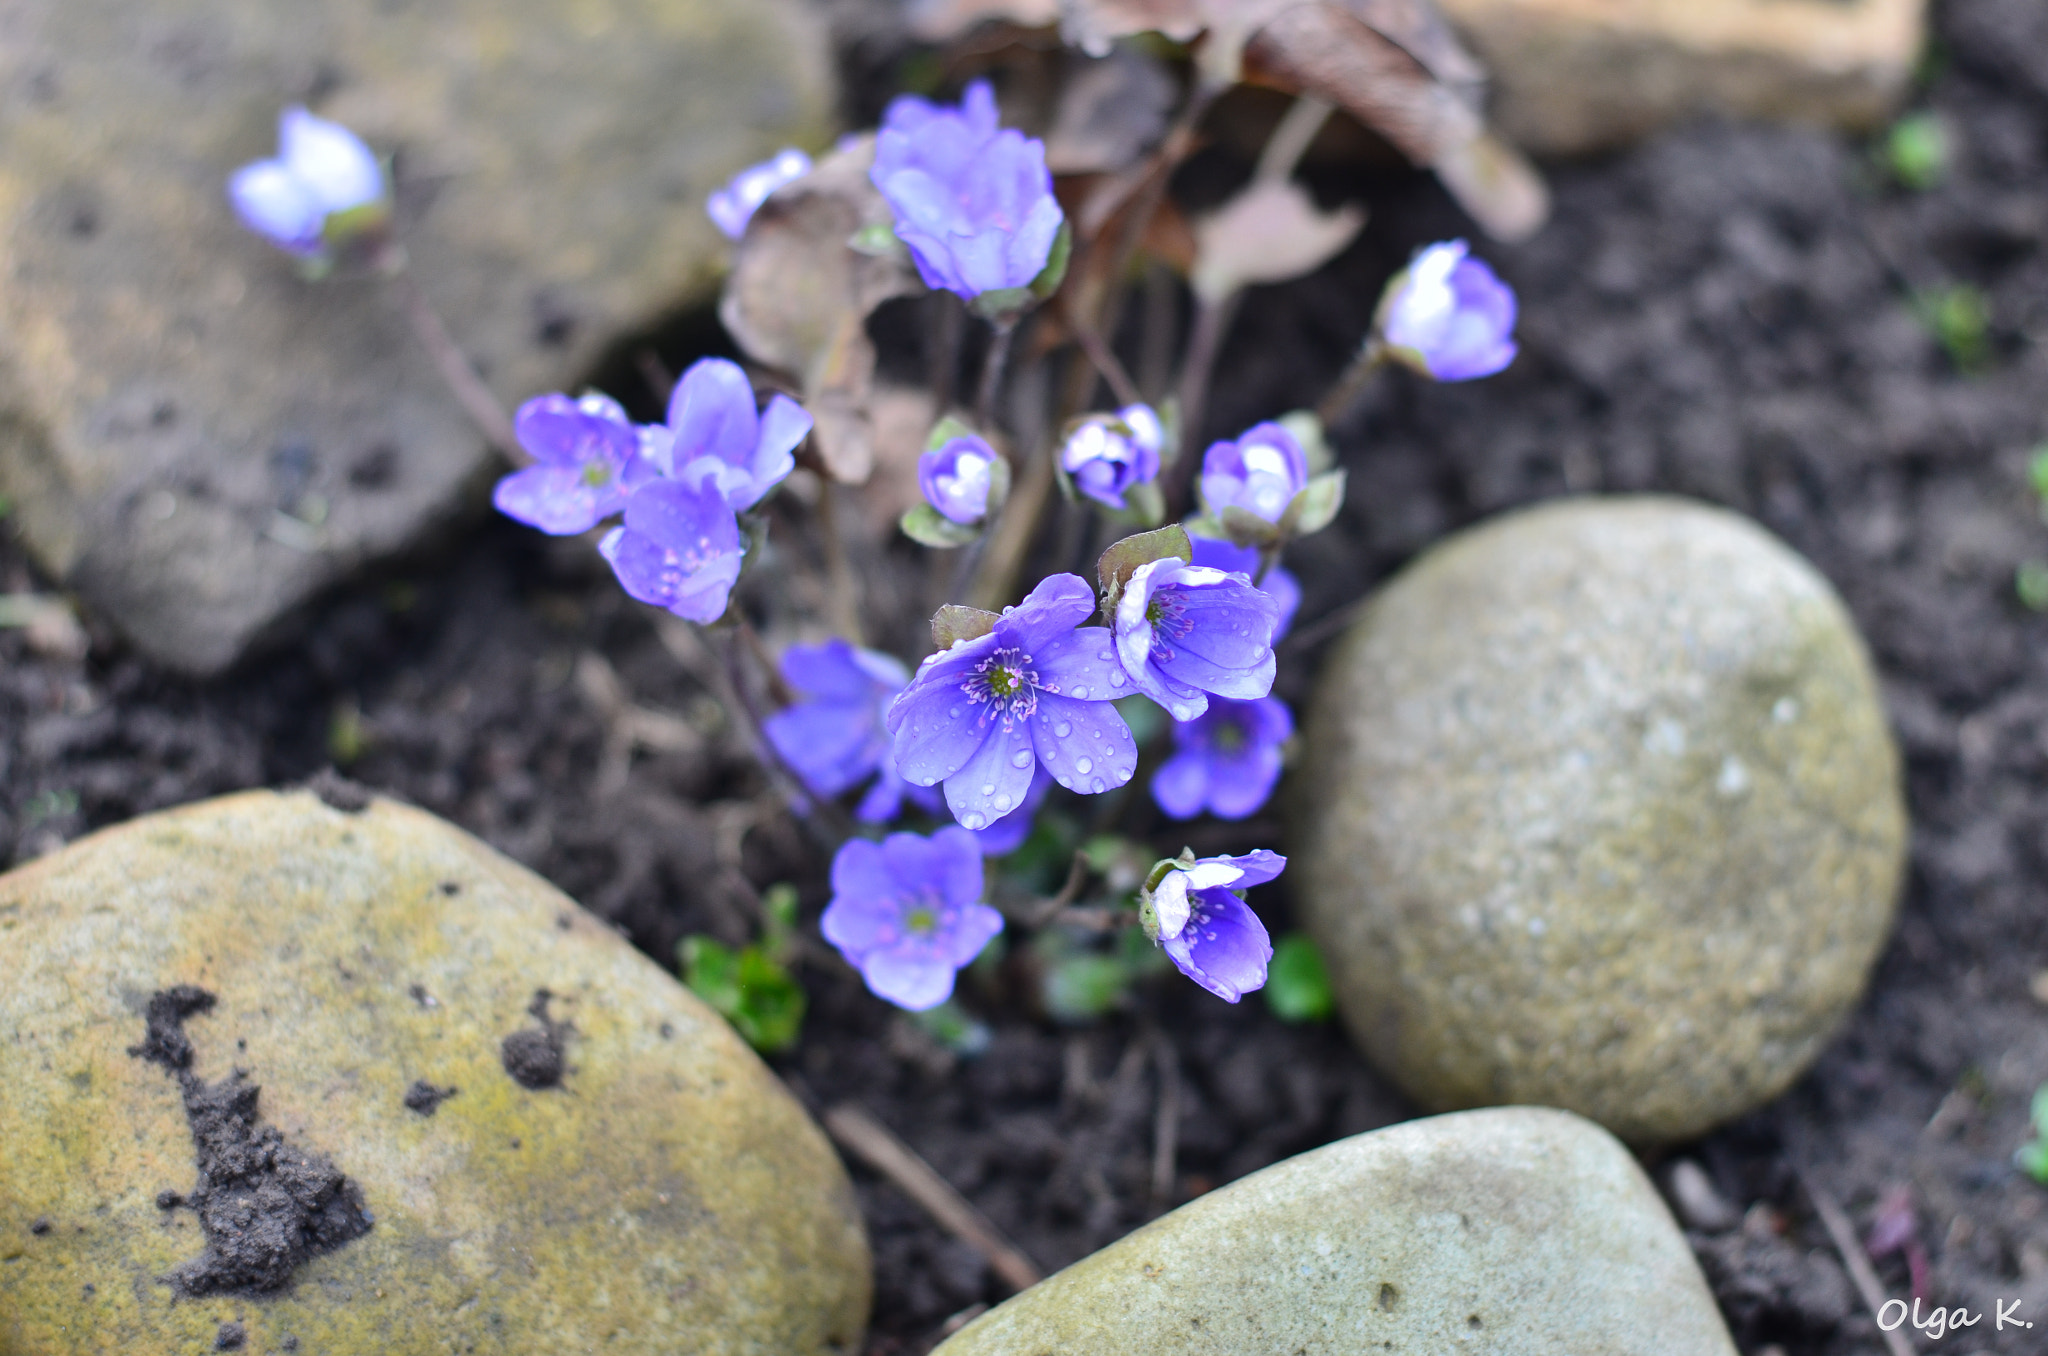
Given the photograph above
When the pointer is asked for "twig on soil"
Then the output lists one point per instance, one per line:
(1843, 1235)
(874, 1144)
(477, 400)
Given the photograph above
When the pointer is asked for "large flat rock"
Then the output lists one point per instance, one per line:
(623, 1174)
(1582, 75)
(196, 439)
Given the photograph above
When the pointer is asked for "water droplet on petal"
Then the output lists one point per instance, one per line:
(1098, 786)
(988, 788)
(1084, 766)
(1063, 729)
(1003, 803)
(971, 820)
(1116, 679)
(954, 713)
(1021, 758)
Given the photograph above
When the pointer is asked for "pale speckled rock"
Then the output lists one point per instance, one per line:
(669, 1196)
(1513, 1232)
(197, 440)
(1600, 811)
(1581, 75)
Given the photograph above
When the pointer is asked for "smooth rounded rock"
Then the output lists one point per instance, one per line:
(1600, 811)
(651, 1187)
(1518, 1231)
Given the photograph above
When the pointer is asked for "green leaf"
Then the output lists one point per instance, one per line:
(1084, 987)
(1122, 560)
(956, 622)
(1297, 985)
(1055, 271)
(2032, 1159)
(955, 1028)
(2037, 474)
(1307, 429)
(924, 524)
(877, 240)
(1245, 528)
(748, 988)
(778, 920)
(1003, 305)
(2039, 1110)
(1959, 318)
(2030, 582)
(946, 430)
(1315, 507)
(1916, 150)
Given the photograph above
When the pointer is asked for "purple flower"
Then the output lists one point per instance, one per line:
(1185, 630)
(321, 170)
(956, 478)
(680, 549)
(1231, 558)
(1225, 761)
(1034, 690)
(733, 206)
(1107, 454)
(834, 739)
(716, 441)
(589, 461)
(1007, 834)
(1261, 472)
(972, 201)
(907, 913)
(1448, 316)
(1197, 915)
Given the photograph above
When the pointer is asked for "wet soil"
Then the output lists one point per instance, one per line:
(1730, 312)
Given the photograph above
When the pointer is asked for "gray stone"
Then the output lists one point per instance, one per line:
(1600, 811)
(1519, 1231)
(1582, 75)
(197, 440)
(385, 981)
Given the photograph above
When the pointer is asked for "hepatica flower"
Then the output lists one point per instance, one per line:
(1007, 834)
(587, 463)
(1231, 558)
(972, 201)
(1261, 472)
(907, 913)
(1183, 631)
(733, 206)
(1225, 760)
(322, 171)
(1035, 690)
(956, 478)
(716, 442)
(1199, 918)
(1448, 317)
(834, 738)
(680, 548)
(1107, 454)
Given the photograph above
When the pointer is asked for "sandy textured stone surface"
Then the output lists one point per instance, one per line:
(1513, 1232)
(1600, 811)
(196, 439)
(1580, 75)
(668, 1196)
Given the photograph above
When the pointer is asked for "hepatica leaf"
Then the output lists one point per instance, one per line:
(747, 987)
(1297, 985)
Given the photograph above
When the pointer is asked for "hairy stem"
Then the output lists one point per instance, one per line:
(1205, 344)
(478, 401)
(992, 373)
(1351, 385)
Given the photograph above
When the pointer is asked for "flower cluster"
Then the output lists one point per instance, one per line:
(679, 485)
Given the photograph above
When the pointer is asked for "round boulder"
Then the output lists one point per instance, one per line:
(1600, 811)
(281, 1077)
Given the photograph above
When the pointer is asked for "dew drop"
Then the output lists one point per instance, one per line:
(1021, 758)
(1081, 693)
(971, 820)
(1116, 679)
(1062, 730)
(1098, 786)
(988, 788)
(954, 713)
(1003, 803)
(1084, 766)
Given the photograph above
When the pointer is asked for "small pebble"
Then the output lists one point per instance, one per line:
(2039, 987)
(1700, 1206)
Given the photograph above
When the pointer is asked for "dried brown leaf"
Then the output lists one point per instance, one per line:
(1271, 232)
(1110, 113)
(944, 20)
(799, 297)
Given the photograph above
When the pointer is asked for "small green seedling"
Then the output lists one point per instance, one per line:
(2032, 1157)
(2030, 584)
(1297, 985)
(752, 987)
(1916, 150)
(1959, 318)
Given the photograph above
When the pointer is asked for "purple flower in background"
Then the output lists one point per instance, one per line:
(1185, 630)
(834, 739)
(1197, 915)
(733, 206)
(1231, 558)
(588, 461)
(956, 478)
(321, 169)
(1107, 454)
(715, 440)
(907, 913)
(972, 201)
(1035, 690)
(1261, 472)
(1225, 761)
(1448, 316)
(680, 549)
(1007, 834)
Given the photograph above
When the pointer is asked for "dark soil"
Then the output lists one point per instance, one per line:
(425, 1098)
(532, 1055)
(1727, 312)
(265, 1207)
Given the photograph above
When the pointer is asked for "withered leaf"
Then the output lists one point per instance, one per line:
(1270, 232)
(944, 20)
(800, 294)
(1110, 113)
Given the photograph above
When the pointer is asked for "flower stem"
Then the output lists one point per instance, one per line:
(1205, 344)
(740, 705)
(1104, 358)
(992, 372)
(478, 401)
(1351, 385)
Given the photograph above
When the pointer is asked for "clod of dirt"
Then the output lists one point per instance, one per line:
(533, 1055)
(230, 1337)
(425, 1098)
(39, 1227)
(265, 1207)
(337, 792)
